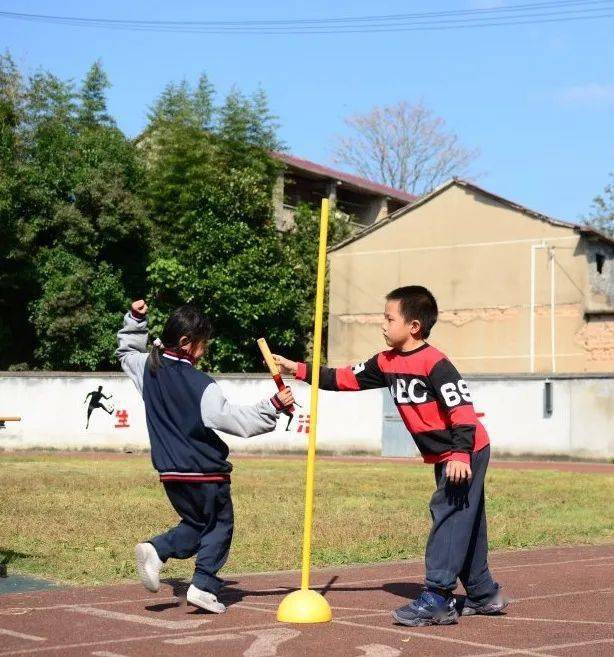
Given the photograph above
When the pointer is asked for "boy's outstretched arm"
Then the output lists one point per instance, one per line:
(364, 376)
(243, 421)
(132, 343)
(455, 400)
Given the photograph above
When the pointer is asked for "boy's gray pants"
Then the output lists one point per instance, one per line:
(457, 546)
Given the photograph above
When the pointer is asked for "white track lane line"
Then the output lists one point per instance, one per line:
(575, 644)
(191, 639)
(131, 639)
(435, 637)
(20, 635)
(276, 604)
(560, 595)
(141, 620)
(578, 644)
(371, 613)
(558, 620)
(18, 611)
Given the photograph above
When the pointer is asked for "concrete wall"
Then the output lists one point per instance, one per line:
(474, 253)
(54, 414)
(581, 423)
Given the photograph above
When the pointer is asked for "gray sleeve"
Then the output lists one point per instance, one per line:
(132, 349)
(242, 421)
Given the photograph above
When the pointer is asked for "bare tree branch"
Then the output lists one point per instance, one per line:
(405, 146)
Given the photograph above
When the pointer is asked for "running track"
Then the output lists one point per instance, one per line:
(563, 606)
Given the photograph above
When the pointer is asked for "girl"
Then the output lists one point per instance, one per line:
(183, 407)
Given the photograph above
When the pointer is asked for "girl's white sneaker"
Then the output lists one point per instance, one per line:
(148, 566)
(205, 600)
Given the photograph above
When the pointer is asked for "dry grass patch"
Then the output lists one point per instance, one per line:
(76, 519)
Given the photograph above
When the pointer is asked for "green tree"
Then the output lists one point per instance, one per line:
(178, 104)
(235, 117)
(202, 100)
(210, 192)
(16, 335)
(90, 219)
(93, 102)
(81, 227)
(302, 243)
(76, 314)
(602, 214)
(246, 126)
(174, 105)
(263, 126)
(38, 175)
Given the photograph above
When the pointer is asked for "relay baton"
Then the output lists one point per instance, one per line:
(274, 370)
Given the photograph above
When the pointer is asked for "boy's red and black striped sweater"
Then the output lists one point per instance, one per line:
(431, 396)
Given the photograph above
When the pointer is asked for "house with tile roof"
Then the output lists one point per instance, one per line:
(518, 291)
(365, 202)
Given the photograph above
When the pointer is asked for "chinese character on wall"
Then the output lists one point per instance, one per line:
(122, 419)
(303, 423)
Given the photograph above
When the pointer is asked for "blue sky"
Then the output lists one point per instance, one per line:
(537, 100)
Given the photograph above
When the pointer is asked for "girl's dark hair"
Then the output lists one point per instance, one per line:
(186, 321)
(416, 302)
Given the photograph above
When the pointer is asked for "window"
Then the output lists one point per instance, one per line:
(599, 262)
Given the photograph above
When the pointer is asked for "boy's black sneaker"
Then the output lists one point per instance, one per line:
(489, 607)
(429, 609)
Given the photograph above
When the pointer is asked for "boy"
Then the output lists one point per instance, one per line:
(435, 404)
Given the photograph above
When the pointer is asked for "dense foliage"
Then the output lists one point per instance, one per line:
(90, 219)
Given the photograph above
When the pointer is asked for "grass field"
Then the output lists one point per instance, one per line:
(77, 518)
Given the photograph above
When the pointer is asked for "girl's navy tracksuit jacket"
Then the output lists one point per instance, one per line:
(184, 407)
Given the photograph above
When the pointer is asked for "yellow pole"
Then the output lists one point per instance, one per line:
(306, 606)
(315, 382)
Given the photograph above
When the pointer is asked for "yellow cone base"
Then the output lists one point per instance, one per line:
(304, 606)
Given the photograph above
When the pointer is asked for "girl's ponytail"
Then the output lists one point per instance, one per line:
(155, 357)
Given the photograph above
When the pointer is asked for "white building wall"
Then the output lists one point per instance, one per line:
(581, 424)
(53, 415)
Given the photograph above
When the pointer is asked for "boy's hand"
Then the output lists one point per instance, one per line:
(139, 307)
(458, 471)
(286, 366)
(283, 399)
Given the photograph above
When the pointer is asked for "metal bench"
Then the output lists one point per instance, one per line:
(8, 418)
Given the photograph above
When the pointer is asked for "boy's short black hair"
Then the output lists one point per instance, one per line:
(416, 302)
